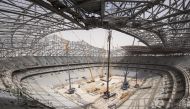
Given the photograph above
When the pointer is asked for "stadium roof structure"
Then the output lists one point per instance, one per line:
(144, 50)
(156, 23)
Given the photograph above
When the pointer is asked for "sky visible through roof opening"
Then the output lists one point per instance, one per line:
(98, 37)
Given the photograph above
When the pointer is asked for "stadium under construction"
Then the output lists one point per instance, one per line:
(40, 70)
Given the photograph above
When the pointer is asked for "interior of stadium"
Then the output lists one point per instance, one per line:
(39, 69)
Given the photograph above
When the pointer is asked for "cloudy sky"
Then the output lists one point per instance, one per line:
(98, 37)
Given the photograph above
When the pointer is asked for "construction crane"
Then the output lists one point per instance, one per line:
(125, 85)
(92, 78)
(102, 70)
(90, 70)
(70, 90)
(107, 93)
(136, 78)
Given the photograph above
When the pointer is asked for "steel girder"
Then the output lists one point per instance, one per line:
(157, 23)
(23, 24)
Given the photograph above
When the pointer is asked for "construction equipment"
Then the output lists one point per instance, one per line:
(107, 93)
(125, 85)
(136, 85)
(70, 90)
(102, 71)
(92, 78)
(89, 67)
